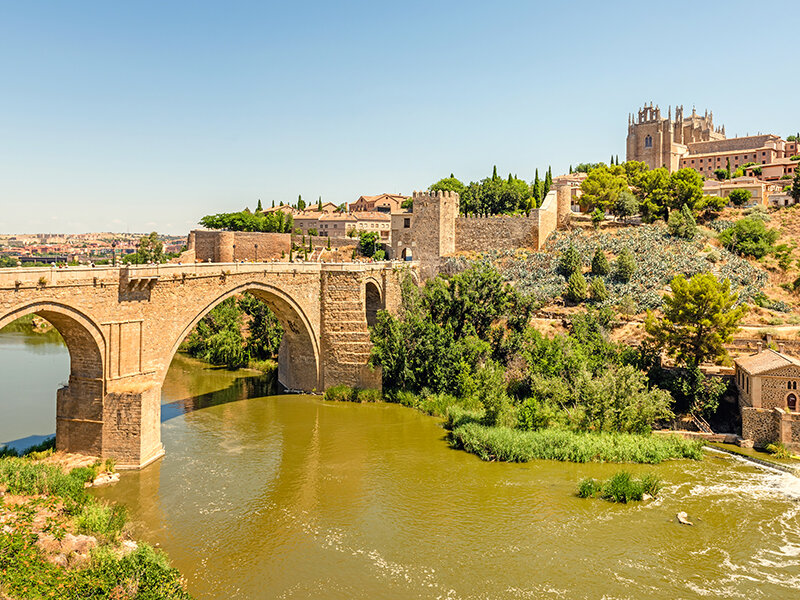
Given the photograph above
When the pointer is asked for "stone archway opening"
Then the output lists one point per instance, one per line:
(79, 401)
(373, 302)
(298, 353)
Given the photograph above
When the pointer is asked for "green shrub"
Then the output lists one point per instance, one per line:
(369, 395)
(621, 488)
(749, 237)
(588, 488)
(340, 393)
(779, 450)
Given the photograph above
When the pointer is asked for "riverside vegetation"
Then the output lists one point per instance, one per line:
(509, 393)
(57, 541)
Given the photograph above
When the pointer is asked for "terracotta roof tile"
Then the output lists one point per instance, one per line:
(761, 362)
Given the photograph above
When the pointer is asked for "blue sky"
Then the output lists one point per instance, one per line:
(150, 114)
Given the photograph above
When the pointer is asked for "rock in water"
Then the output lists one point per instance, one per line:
(683, 518)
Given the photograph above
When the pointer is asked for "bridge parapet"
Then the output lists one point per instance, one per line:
(12, 278)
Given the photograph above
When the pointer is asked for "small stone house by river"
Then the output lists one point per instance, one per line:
(769, 398)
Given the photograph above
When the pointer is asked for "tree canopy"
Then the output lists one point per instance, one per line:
(700, 316)
(272, 222)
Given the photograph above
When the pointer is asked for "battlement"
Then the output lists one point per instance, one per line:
(437, 195)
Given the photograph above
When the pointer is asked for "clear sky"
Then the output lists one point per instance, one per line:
(150, 114)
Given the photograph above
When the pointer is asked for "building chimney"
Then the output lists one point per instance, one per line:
(781, 348)
(759, 347)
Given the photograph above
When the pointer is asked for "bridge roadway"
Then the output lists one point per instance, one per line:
(123, 325)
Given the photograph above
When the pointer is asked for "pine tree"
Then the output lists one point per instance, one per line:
(600, 264)
(576, 288)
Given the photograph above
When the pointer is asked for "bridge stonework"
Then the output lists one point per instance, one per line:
(122, 327)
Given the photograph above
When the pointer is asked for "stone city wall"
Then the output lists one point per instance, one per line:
(232, 246)
(760, 425)
(500, 232)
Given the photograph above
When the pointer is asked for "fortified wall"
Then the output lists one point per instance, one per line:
(232, 246)
(434, 228)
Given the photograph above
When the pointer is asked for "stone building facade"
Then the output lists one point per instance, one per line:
(694, 142)
(662, 142)
(769, 398)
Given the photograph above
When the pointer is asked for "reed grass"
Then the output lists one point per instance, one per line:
(513, 445)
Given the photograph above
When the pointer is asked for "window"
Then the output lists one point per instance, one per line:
(791, 402)
(648, 142)
(406, 223)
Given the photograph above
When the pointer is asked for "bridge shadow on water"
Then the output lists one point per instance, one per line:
(241, 388)
(26, 442)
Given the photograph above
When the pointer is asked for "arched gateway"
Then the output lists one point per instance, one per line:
(122, 327)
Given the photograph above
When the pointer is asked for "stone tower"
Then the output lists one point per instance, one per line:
(434, 224)
(662, 142)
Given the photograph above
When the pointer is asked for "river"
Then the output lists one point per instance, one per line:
(282, 496)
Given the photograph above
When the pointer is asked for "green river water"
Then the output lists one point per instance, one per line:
(282, 496)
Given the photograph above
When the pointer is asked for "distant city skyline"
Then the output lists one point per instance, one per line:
(147, 116)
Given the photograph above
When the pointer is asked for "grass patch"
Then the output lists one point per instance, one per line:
(779, 450)
(513, 445)
(101, 520)
(345, 393)
(26, 573)
(622, 487)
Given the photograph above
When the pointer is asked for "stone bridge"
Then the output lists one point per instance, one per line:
(122, 327)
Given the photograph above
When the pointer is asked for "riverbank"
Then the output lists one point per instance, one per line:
(57, 541)
(466, 431)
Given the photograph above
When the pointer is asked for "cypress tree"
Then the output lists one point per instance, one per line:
(617, 159)
(597, 290)
(728, 170)
(319, 204)
(576, 288)
(600, 264)
(570, 169)
(494, 173)
(570, 261)
(301, 205)
(611, 162)
(258, 208)
(626, 265)
(273, 204)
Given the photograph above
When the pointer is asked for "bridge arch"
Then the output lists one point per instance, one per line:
(83, 337)
(374, 299)
(299, 354)
(79, 404)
